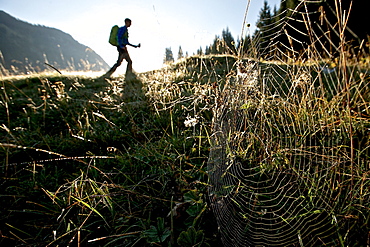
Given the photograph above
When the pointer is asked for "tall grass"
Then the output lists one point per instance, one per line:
(87, 161)
(104, 162)
(290, 150)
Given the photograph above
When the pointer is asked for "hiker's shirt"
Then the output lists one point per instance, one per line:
(122, 37)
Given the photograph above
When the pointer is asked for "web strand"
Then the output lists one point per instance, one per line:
(281, 163)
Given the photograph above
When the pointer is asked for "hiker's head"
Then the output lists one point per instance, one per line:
(127, 22)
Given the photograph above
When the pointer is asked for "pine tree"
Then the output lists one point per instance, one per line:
(168, 56)
(200, 51)
(222, 45)
(207, 51)
(245, 46)
(291, 20)
(214, 48)
(180, 54)
(264, 27)
(291, 5)
(282, 7)
(228, 42)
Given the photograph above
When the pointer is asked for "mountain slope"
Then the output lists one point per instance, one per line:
(26, 48)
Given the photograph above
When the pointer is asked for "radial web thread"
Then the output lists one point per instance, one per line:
(282, 161)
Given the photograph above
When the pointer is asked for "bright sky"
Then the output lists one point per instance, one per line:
(156, 24)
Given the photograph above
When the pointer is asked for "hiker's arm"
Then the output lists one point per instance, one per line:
(136, 46)
(123, 38)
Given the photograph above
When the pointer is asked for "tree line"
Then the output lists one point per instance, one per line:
(293, 27)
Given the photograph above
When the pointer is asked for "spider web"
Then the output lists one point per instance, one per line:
(283, 167)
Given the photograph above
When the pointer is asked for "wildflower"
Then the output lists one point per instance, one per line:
(191, 122)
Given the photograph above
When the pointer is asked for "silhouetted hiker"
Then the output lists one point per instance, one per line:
(122, 37)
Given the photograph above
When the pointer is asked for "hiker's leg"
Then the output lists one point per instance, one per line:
(129, 63)
(121, 56)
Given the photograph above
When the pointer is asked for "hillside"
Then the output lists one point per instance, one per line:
(26, 48)
(185, 155)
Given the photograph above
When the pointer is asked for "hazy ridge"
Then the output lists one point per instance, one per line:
(25, 48)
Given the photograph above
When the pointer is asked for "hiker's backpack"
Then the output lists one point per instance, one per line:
(113, 36)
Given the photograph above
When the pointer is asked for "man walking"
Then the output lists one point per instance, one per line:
(122, 38)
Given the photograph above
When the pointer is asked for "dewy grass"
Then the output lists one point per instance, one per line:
(87, 160)
(106, 167)
(290, 149)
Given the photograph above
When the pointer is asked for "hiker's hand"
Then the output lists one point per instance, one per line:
(139, 45)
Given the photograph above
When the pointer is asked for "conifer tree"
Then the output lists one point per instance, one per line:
(291, 5)
(200, 51)
(180, 53)
(215, 45)
(228, 42)
(168, 56)
(282, 7)
(294, 35)
(264, 27)
(244, 46)
(222, 45)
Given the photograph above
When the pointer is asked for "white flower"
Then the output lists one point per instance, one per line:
(191, 122)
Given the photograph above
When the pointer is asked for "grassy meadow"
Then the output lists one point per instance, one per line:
(87, 161)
